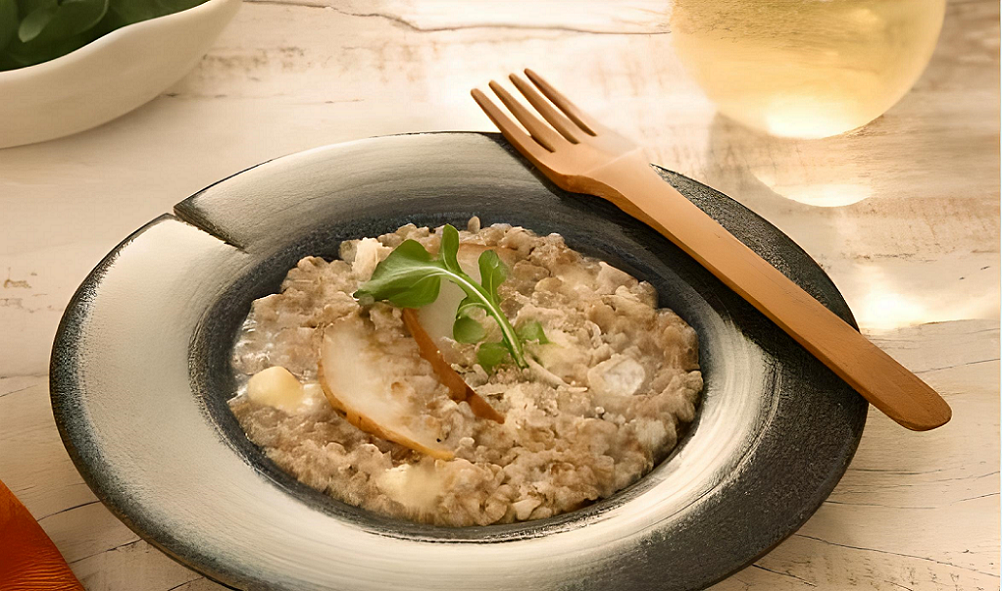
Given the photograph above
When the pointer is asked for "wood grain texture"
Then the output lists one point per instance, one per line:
(917, 258)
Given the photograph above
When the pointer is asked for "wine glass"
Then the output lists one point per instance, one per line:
(805, 68)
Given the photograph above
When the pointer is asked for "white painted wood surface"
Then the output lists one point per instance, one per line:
(918, 260)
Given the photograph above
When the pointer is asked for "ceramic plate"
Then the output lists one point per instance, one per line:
(140, 378)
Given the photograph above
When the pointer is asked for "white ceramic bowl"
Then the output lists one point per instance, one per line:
(108, 77)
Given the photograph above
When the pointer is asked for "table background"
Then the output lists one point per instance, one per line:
(917, 258)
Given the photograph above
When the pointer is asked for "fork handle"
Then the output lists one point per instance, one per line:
(894, 390)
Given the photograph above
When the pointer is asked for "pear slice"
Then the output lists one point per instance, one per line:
(438, 317)
(459, 390)
(352, 380)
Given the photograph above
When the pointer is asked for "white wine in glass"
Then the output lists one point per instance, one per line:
(805, 68)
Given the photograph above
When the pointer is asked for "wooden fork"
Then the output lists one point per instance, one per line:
(580, 155)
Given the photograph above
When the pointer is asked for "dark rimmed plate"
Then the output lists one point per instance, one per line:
(140, 379)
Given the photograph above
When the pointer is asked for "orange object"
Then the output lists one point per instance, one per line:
(29, 561)
(581, 155)
(459, 390)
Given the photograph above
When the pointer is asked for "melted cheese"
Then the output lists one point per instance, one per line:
(278, 388)
(416, 487)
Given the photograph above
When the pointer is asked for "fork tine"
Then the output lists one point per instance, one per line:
(557, 119)
(529, 147)
(577, 116)
(542, 132)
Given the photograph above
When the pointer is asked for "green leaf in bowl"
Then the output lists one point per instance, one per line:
(36, 31)
(20, 55)
(410, 278)
(490, 355)
(533, 331)
(59, 21)
(468, 330)
(126, 12)
(8, 22)
(36, 21)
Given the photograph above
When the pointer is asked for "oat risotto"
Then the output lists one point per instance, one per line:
(485, 376)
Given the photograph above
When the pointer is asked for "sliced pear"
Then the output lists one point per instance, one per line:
(459, 390)
(438, 317)
(353, 381)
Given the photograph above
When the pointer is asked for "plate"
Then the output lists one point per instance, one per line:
(140, 377)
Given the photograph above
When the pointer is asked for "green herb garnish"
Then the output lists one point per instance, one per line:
(36, 31)
(490, 355)
(533, 331)
(410, 278)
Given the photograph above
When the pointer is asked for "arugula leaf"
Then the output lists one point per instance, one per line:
(533, 331)
(410, 278)
(449, 249)
(490, 355)
(492, 273)
(468, 330)
(468, 305)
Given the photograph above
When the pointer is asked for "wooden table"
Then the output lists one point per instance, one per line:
(918, 259)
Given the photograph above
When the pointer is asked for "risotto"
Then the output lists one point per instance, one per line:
(607, 382)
